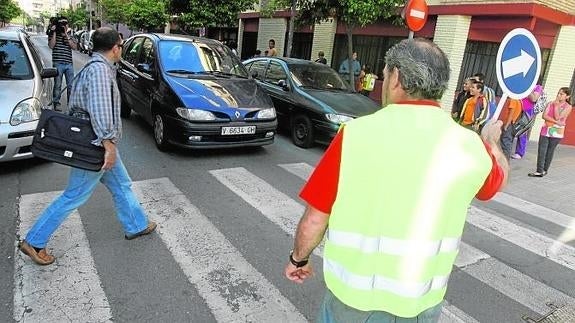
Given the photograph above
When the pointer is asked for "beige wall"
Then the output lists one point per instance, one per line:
(560, 68)
(451, 36)
(323, 39)
(272, 28)
(562, 5)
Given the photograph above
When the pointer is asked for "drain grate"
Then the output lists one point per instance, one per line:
(563, 314)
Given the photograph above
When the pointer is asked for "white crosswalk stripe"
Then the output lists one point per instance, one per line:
(68, 290)
(520, 236)
(232, 288)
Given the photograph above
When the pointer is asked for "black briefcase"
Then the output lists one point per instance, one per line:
(67, 140)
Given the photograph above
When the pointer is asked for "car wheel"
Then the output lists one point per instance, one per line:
(125, 109)
(160, 133)
(302, 131)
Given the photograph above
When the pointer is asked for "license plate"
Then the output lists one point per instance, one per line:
(230, 131)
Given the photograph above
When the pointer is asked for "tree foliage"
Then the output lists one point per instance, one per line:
(147, 15)
(77, 18)
(352, 13)
(9, 9)
(115, 11)
(216, 13)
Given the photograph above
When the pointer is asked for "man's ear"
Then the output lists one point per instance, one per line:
(394, 82)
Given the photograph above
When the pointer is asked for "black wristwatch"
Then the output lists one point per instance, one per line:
(298, 264)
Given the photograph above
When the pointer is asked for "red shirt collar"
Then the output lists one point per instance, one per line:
(420, 102)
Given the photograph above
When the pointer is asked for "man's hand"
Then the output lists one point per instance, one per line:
(109, 155)
(491, 132)
(298, 275)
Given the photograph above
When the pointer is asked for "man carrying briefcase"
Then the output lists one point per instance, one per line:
(91, 99)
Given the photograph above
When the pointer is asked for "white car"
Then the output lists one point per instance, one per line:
(25, 88)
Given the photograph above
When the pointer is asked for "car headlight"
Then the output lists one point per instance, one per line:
(338, 118)
(269, 113)
(195, 114)
(26, 111)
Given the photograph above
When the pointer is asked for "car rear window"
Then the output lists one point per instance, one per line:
(14, 63)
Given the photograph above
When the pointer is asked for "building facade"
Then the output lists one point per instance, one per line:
(469, 32)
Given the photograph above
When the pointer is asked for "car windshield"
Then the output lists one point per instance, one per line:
(317, 76)
(14, 63)
(186, 57)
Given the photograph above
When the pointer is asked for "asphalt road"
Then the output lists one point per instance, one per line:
(226, 224)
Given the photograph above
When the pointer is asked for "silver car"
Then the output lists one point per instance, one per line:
(25, 87)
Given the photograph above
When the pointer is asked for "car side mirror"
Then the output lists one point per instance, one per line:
(49, 72)
(255, 74)
(144, 68)
(284, 85)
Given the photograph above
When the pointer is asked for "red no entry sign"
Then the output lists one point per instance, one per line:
(416, 14)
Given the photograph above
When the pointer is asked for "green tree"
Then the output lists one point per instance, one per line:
(353, 13)
(216, 13)
(146, 15)
(77, 18)
(115, 11)
(9, 10)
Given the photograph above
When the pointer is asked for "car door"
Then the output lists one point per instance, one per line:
(47, 83)
(279, 88)
(127, 75)
(146, 68)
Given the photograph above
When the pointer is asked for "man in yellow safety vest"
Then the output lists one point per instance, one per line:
(393, 188)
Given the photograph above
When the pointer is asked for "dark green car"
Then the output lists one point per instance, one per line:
(311, 99)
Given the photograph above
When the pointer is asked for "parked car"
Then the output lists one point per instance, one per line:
(25, 87)
(311, 99)
(194, 92)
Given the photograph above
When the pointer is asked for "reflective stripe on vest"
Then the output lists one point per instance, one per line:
(392, 246)
(375, 282)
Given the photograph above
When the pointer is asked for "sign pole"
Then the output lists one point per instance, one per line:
(410, 34)
(500, 105)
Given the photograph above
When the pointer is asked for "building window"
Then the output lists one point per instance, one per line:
(370, 50)
(480, 58)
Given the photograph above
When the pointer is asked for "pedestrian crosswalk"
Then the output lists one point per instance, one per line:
(234, 289)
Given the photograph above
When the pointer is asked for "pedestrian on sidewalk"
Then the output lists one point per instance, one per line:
(460, 99)
(95, 97)
(553, 130)
(509, 115)
(395, 212)
(321, 58)
(528, 104)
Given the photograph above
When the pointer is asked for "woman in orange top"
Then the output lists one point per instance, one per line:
(509, 115)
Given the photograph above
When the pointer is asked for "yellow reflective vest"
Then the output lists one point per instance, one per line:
(407, 176)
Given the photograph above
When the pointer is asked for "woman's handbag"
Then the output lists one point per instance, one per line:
(523, 124)
(67, 140)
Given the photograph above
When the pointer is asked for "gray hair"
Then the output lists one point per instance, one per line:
(422, 66)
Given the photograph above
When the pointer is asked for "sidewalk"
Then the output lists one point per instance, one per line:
(556, 190)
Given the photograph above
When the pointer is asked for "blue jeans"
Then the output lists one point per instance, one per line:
(64, 69)
(334, 311)
(81, 184)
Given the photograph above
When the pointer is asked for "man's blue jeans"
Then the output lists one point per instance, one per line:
(64, 69)
(334, 311)
(81, 184)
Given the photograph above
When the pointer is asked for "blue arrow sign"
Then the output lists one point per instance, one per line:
(518, 63)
